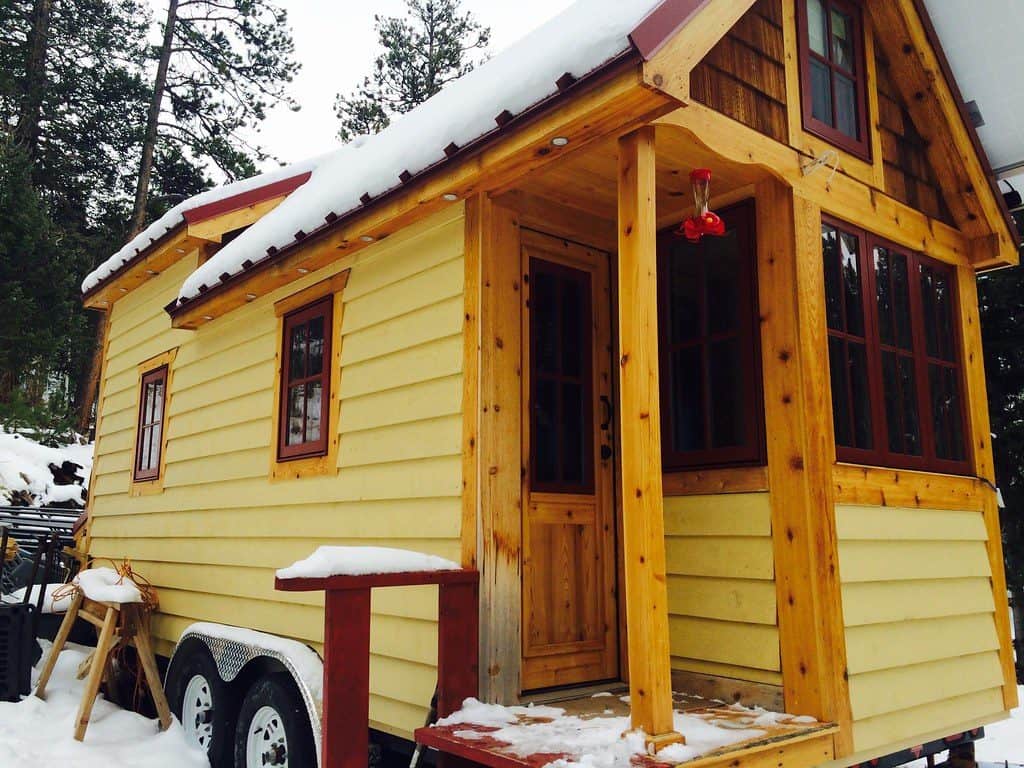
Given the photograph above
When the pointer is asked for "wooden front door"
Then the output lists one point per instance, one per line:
(569, 629)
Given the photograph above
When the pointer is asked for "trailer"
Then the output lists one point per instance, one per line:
(737, 450)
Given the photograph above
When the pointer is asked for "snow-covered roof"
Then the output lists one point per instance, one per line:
(582, 39)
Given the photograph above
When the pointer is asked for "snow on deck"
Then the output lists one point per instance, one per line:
(597, 734)
(362, 561)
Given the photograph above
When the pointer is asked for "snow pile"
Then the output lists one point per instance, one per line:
(32, 474)
(39, 733)
(594, 742)
(60, 605)
(577, 41)
(361, 561)
(1004, 740)
(306, 663)
(105, 585)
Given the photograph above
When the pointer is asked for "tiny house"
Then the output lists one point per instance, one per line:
(756, 466)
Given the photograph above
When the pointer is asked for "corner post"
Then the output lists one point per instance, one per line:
(643, 523)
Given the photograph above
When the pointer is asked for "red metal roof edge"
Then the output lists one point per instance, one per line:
(662, 23)
(592, 79)
(245, 199)
(140, 253)
(979, 149)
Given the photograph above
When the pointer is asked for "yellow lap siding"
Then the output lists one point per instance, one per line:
(721, 586)
(921, 641)
(211, 541)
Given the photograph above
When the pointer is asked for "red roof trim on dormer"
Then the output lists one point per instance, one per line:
(661, 24)
(245, 199)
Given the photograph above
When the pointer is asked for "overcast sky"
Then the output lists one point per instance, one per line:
(336, 44)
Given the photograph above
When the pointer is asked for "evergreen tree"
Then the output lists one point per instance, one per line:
(433, 44)
(220, 65)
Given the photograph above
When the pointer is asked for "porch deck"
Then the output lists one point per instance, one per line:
(756, 739)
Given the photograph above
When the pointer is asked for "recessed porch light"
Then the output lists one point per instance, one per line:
(367, 238)
(449, 197)
(250, 296)
(560, 141)
(207, 317)
(302, 271)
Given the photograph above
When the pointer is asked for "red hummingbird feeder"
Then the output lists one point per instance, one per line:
(705, 222)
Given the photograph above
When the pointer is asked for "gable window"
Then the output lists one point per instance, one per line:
(305, 381)
(832, 72)
(894, 354)
(711, 403)
(150, 432)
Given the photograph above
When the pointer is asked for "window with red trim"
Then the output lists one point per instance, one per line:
(832, 72)
(711, 403)
(149, 435)
(894, 354)
(305, 381)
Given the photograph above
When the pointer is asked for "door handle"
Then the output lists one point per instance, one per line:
(607, 403)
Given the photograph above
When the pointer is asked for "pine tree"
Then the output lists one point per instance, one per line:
(433, 44)
(220, 65)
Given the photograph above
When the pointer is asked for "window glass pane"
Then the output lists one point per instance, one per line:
(893, 295)
(573, 439)
(842, 40)
(821, 92)
(297, 353)
(945, 396)
(726, 392)
(883, 292)
(841, 420)
(158, 400)
(722, 264)
(833, 277)
(687, 400)
(544, 321)
(901, 301)
(154, 446)
(144, 448)
(685, 282)
(860, 396)
(816, 30)
(544, 439)
(942, 300)
(850, 246)
(314, 403)
(296, 415)
(846, 106)
(572, 333)
(316, 346)
(904, 429)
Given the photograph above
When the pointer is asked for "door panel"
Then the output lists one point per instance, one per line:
(570, 632)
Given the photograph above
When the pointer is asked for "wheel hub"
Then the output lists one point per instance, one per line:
(267, 744)
(197, 712)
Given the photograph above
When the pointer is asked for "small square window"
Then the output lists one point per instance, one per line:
(832, 72)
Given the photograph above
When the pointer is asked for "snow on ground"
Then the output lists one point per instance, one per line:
(1005, 740)
(596, 742)
(24, 467)
(39, 733)
(360, 561)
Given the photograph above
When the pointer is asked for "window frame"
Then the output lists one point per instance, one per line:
(880, 455)
(753, 452)
(322, 307)
(139, 475)
(859, 147)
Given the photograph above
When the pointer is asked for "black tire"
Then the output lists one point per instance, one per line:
(278, 693)
(192, 661)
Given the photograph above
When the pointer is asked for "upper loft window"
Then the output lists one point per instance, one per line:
(306, 381)
(711, 403)
(832, 72)
(149, 435)
(894, 354)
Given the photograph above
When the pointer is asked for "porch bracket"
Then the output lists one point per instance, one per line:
(643, 523)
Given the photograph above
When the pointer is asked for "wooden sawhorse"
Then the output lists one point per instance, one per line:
(117, 623)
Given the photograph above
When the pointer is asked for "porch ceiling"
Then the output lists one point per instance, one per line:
(586, 180)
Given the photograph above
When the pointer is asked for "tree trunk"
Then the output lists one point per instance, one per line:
(27, 130)
(90, 385)
(153, 121)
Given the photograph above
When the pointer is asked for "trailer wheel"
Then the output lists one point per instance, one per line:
(273, 728)
(205, 704)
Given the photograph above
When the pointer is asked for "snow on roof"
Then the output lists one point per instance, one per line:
(578, 41)
(176, 216)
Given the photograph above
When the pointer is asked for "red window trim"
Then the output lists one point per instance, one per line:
(880, 454)
(752, 453)
(323, 307)
(144, 428)
(858, 147)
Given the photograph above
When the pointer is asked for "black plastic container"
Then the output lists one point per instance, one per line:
(16, 650)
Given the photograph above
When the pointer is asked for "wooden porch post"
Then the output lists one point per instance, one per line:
(643, 524)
